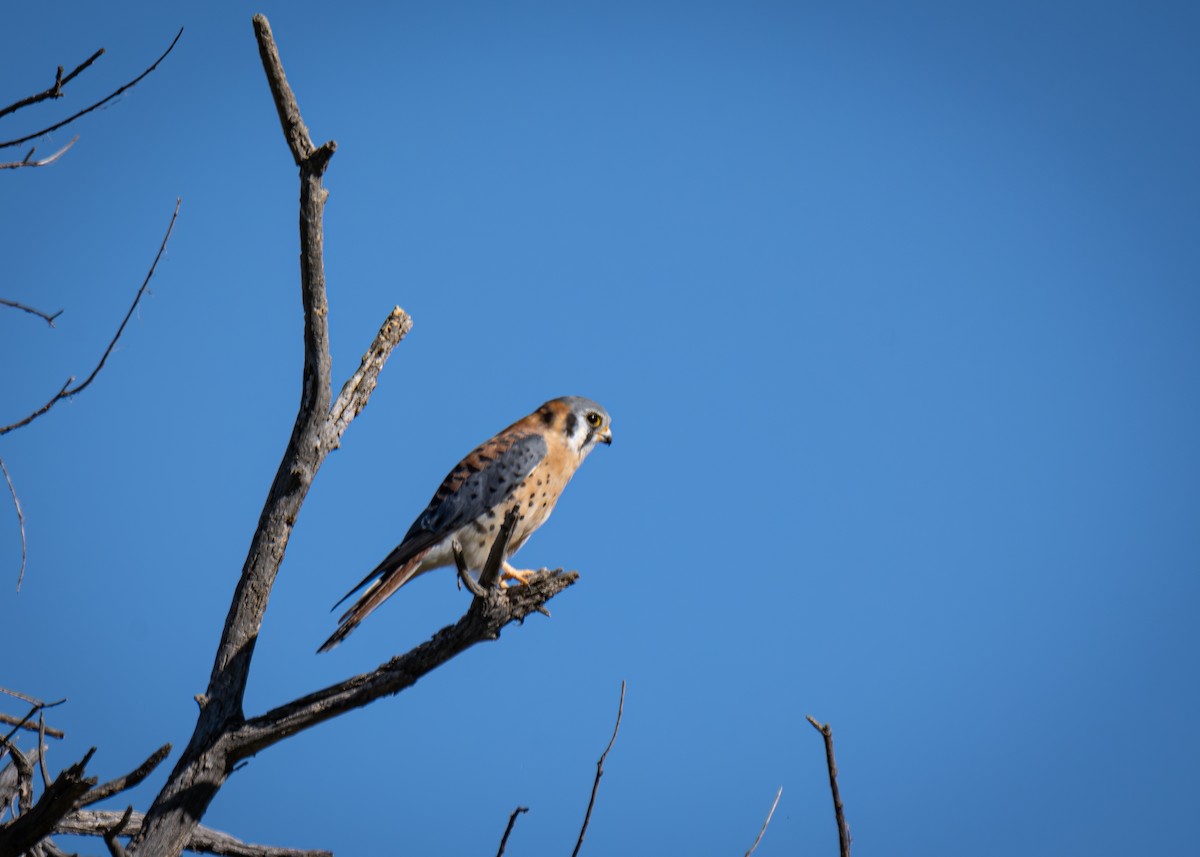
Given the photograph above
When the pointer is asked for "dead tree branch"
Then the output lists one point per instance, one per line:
(483, 621)
(98, 104)
(110, 836)
(38, 821)
(67, 390)
(204, 840)
(767, 821)
(15, 305)
(28, 160)
(222, 735)
(55, 89)
(599, 773)
(844, 838)
(20, 524)
(128, 781)
(23, 723)
(512, 819)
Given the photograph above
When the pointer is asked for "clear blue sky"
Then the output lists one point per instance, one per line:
(896, 308)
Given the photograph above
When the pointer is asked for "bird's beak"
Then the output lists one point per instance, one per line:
(606, 436)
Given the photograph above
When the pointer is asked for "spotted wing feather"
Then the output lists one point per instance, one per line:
(481, 481)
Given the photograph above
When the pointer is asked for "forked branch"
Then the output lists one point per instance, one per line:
(67, 390)
(58, 86)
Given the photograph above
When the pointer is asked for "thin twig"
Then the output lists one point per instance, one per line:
(128, 781)
(15, 305)
(42, 749)
(13, 721)
(20, 523)
(600, 772)
(844, 838)
(55, 91)
(29, 162)
(38, 705)
(67, 390)
(758, 839)
(464, 573)
(110, 836)
(512, 819)
(99, 103)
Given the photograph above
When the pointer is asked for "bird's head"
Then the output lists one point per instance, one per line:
(584, 422)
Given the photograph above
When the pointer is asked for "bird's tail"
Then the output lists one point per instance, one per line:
(375, 594)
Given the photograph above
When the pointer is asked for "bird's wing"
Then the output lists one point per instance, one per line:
(481, 481)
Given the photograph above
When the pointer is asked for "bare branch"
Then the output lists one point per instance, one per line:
(67, 390)
(294, 129)
(758, 838)
(29, 162)
(512, 819)
(204, 840)
(490, 573)
(844, 838)
(464, 573)
(599, 773)
(42, 749)
(23, 724)
(128, 781)
(23, 773)
(55, 90)
(483, 621)
(15, 305)
(110, 835)
(99, 103)
(20, 523)
(39, 821)
(221, 731)
(359, 386)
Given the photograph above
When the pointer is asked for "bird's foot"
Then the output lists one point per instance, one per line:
(521, 575)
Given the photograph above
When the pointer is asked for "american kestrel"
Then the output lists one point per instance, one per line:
(527, 466)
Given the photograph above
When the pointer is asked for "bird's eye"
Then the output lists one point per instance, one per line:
(594, 419)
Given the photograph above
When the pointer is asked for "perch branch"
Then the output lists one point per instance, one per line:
(55, 90)
(15, 305)
(512, 819)
(844, 838)
(483, 621)
(99, 103)
(599, 773)
(204, 840)
(67, 390)
(758, 838)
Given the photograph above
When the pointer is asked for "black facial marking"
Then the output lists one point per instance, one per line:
(547, 416)
(572, 423)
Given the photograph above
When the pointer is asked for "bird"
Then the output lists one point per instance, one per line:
(527, 466)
